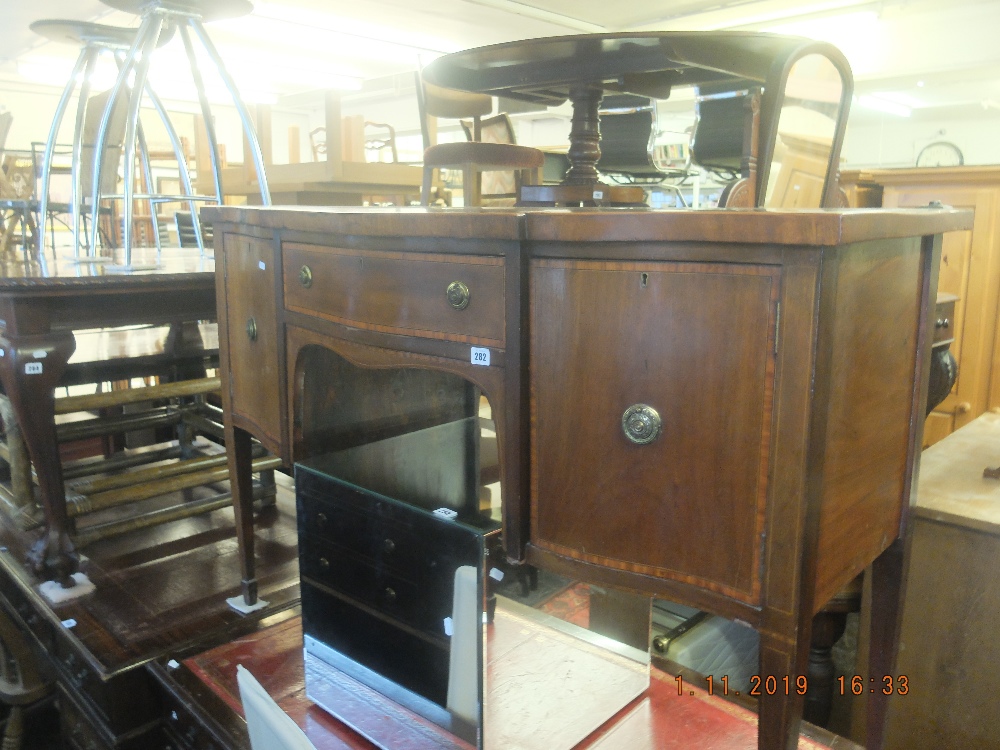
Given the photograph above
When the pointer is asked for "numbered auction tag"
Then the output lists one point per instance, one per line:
(598, 195)
(32, 368)
(446, 513)
(261, 265)
(480, 356)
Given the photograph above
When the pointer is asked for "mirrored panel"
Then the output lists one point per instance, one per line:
(409, 607)
(807, 127)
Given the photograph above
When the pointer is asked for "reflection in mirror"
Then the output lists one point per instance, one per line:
(407, 596)
(805, 134)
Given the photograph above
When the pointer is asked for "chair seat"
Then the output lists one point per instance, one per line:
(499, 155)
(79, 33)
(206, 10)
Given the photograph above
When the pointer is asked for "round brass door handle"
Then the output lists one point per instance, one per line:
(251, 329)
(458, 295)
(641, 424)
(963, 408)
(306, 276)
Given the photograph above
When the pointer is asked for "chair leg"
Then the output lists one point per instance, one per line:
(472, 186)
(425, 187)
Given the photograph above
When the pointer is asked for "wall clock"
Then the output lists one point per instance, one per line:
(940, 154)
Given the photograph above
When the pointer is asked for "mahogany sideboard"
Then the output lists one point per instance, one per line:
(723, 408)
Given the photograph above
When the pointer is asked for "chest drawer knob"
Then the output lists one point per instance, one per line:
(306, 276)
(388, 546)
(321, 520)
(641, 424)
(458, 295)
(389, 594)
(251, 329)
(324, 564)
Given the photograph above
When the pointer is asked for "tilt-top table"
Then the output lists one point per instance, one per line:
(550, 71)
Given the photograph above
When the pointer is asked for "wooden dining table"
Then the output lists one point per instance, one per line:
(42, 305)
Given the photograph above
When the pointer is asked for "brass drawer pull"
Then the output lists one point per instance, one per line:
(251, 329)
(306, 276)
(321, 520)
(324, 564)
(458, 295)
(388, 546)
(641, 424)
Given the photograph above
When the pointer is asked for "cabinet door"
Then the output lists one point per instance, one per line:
(970, 269)
(252, 341)
(694, 341)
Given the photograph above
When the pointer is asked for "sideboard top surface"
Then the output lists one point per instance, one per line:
(813, 227)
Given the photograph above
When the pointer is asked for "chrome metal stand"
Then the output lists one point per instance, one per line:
(158, 17)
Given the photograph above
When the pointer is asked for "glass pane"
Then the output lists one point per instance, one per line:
(806, 130)
(405, 586)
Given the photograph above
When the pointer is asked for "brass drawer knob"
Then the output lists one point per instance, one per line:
(324, 564)
(458, 295)
(251, 329)
(306, 276)
(641, 424)
(321, 520)
(388, 546)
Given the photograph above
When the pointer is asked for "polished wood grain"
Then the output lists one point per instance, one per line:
(761, 337)
(699, 349)
(350, 313)
(401, 293)
(42, 303)
(949, 649)
(160, 593)
(970, 269)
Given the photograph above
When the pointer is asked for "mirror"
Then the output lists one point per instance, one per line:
(805, 136)
(406, 592)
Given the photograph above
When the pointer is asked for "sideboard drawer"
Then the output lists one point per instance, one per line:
(454, 297)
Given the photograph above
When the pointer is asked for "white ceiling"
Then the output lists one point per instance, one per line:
(936, 56)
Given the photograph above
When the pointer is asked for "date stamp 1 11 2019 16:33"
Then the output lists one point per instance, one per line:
(786, 685)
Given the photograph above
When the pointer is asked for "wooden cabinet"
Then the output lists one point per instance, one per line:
(248, 276)
(949, 649)
(701, 354)
(725, 407)
(970, 269)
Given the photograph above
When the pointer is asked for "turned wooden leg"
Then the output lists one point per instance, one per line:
(30, 368)
(239, 455)
(827, 628)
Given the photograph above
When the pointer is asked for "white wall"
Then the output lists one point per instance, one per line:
(891, 141)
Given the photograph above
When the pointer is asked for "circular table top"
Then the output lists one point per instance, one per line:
(646, 62)
(207, 10)
(83, 32)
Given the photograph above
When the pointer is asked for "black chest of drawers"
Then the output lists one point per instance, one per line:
(378, 585)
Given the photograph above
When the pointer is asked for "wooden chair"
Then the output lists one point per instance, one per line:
(381, 141)
(186, 236)
(476, 155)
(126, 449)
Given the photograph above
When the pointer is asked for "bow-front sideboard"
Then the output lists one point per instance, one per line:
(723, 407)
